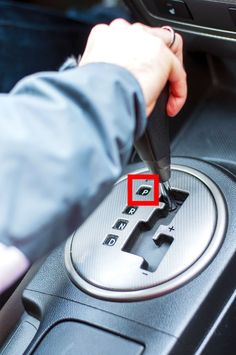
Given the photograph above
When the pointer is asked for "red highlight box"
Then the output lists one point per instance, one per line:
(155, 178)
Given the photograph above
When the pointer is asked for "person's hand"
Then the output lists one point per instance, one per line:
(144, 52)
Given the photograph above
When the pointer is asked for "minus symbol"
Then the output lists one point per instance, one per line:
(144, 273)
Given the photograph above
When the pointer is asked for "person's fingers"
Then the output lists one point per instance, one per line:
(119, 22)
(177, 47)
(98, 29)
(165, 35)
(96, 33)
(144, 52)
(177, 77)
(178, 89)
(155, 31)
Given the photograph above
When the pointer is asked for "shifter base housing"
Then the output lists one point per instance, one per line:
(125, 253)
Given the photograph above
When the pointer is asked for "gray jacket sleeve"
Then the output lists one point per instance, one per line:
(64, 138)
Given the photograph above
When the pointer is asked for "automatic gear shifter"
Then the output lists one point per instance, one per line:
(128, 256)
(154, 148)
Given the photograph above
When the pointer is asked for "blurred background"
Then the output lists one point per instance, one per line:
(38, 35)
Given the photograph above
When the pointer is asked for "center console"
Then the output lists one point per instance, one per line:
(116, 292)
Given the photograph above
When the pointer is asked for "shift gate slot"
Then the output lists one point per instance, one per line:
(141, 241)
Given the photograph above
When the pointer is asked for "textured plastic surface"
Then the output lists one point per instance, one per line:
(19, 342)
(197, 12)
(211, 131)
(221, 338)
(59, 309)
(81, 339)
(211, 31)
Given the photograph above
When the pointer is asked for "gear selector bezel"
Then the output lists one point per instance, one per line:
(188, 240)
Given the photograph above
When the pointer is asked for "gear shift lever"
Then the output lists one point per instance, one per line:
(154, 147)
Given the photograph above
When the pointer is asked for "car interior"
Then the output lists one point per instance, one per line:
(137, 279)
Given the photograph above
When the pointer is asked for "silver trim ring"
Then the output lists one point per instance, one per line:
(179, 280)
(173, 35)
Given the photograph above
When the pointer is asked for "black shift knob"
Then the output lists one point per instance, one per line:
(154, 146)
